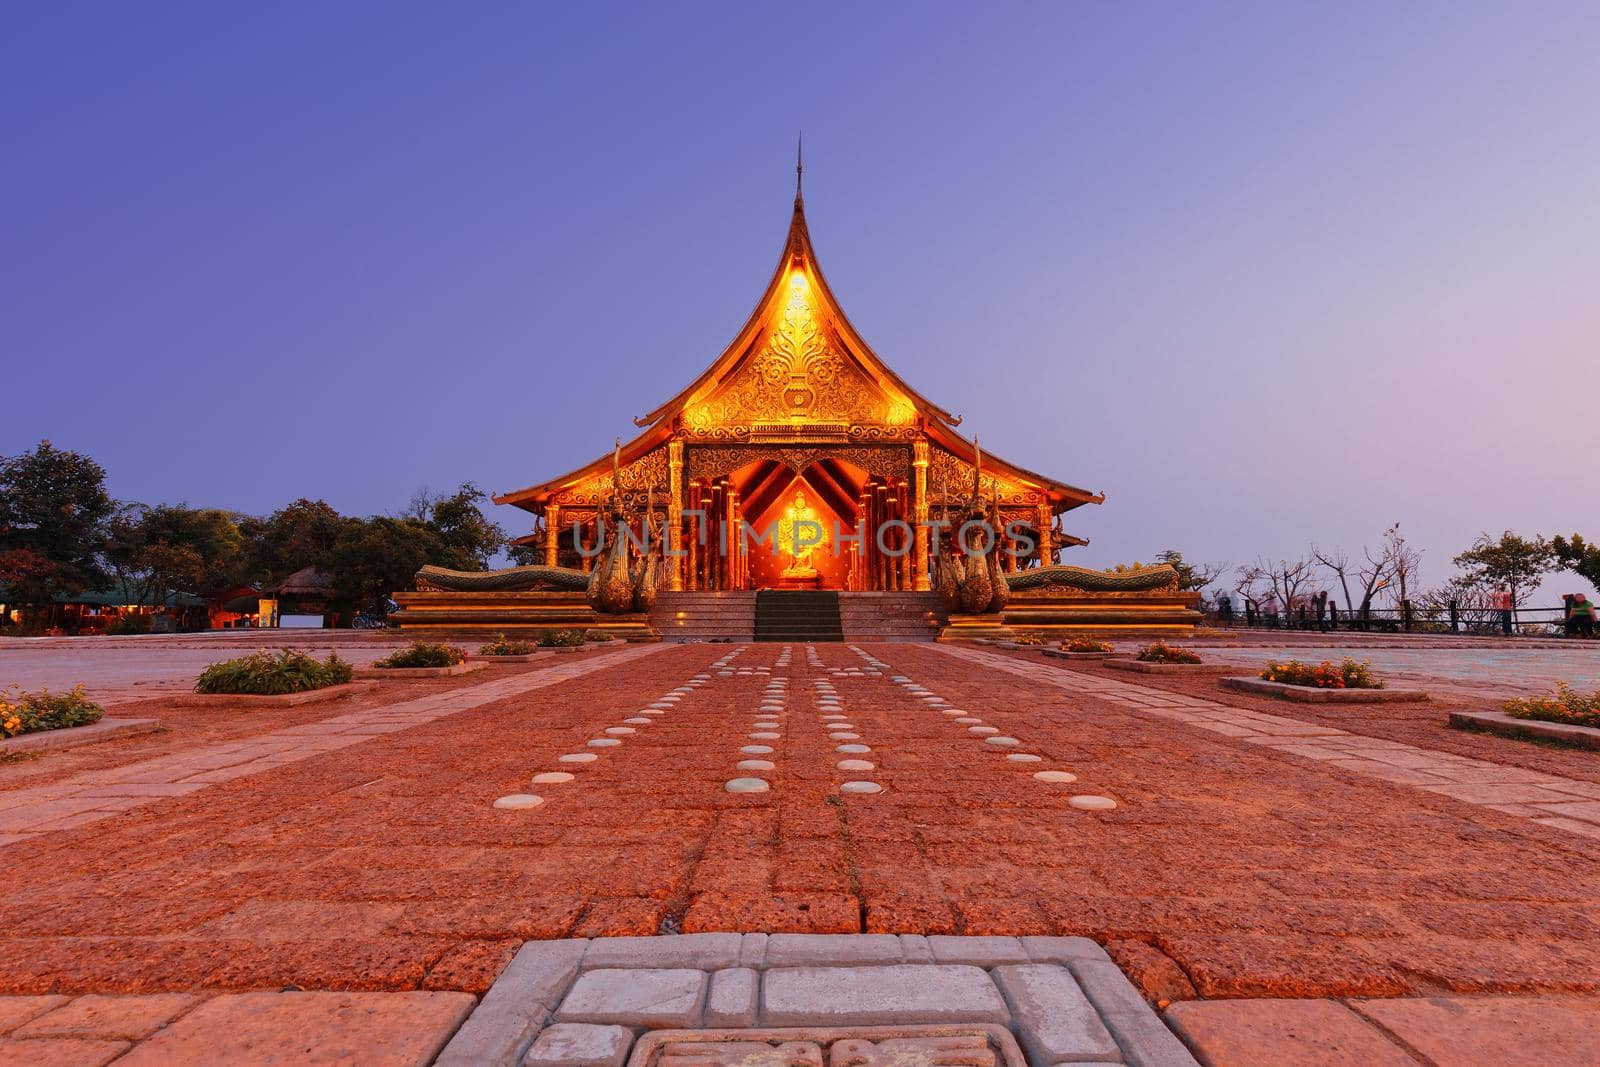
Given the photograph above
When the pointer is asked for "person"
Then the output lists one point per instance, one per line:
(1582, 615)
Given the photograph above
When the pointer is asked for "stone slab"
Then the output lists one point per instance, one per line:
(864, 1046)
(14, 1011)
(1141, 667)
(514, 1008)
(896, 994)
(1056, 1021)
(1499, 722)
(422, 672)
(732, 1000)
(273, 700)
(707, 952)
(1309, 694)
(832, 950)
(59, 1051)
(125, 1018)
(648, 997)
(580, 1045)
(104, 730)
(979, 951)
(372, 1029)
(1144, 1039)
(1463, 1031)
(1247, 1033)
(1063, 949)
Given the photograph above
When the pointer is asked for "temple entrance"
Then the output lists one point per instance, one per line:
(800, 526)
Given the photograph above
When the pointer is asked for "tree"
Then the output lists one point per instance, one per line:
(375, 556)
(1192, 577)
(1403, 561)
(154, 550)
(1578, 556)
(53, 505)
(1285, 579)
(301, 535)
(1512, 563)
(470, 538)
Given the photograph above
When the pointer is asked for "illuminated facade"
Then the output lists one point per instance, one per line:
(798, 405)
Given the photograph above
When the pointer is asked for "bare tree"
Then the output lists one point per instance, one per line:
(1285, 579)
(1403, 561)
(1338, 562)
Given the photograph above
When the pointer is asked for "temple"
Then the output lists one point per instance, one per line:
(798, 459)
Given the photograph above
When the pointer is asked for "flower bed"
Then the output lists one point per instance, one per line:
(423, 654)
(1085, 644)
(265, 674)
(1161, 652)
(28, 713)
(501, 647)
(1350, 674)
(1566, 705)
(561, 639)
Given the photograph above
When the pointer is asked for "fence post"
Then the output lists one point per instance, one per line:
(1455, 618)
(1405, 615)
(1333, 614)
(1366, 614)
(1505, 621)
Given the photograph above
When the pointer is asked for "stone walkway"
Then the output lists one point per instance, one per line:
(92, 796)
(1560, 803)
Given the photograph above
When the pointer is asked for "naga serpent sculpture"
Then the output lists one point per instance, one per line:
(1139, 579)
(509, 580)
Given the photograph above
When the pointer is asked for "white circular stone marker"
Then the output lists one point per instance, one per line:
(765, 724)
(519, 801)
(765, 735)
(755, 765)
(1024, 757)
(553, 777)
(1090, 802)
(861, 787)
(620, 731)
(1002, 742)
(1055, 776)
(603, 742)
(577, 757)
(756, 750)
(853, 748)
(746, 785)
(982, 730)
(967, 720)
(638, 720)
(856, 765)
(845, 736)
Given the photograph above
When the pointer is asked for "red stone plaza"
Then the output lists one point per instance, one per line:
(1259, 881)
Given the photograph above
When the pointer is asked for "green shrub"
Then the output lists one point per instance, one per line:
(561, 639)
(502, 647)
(27, 713)
(1085, 644)
(129, 624)
(422, 654)
(267, 674)
(1567, 705)
(1161, 652)
(1350, 674)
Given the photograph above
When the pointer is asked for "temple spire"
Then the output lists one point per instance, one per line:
(799, 164)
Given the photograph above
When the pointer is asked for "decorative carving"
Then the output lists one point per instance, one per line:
(884, 461)
(946, 469)
(799, 375)
(511, 579)
(638, 478)
(1143, 579)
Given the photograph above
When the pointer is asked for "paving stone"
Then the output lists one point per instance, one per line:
(1057, 1023)
(261, 1028)
(14, 1011)
(856, 765)
(852, 747)
(650, 997)
(1143, 1037)
(1467, 1031)
(602, 742)
(553, 778)
(839, 950)
(516, 1005)
(1237, 1033)
(914, 948)
(577, 757)
(896, 994)
(861, 787)
(580, 1045)
(732, 1000)
(1055, 776)
(60, 1051)
(125, 1018)
(757, 750)
(1063, 949)
(1090, 802)
(1023, 757)
(708, 952)
(755, 765)
(746, 785)
(1002, 742)
(979, 951)
(753, 950)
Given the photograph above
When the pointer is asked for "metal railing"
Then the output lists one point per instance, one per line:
(1406, 617)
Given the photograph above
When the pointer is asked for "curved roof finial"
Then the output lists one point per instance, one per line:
(799, 163)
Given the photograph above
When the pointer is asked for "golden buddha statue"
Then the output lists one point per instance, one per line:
(800, 533)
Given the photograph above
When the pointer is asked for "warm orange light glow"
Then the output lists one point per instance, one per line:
(901, 413)
(797, 281)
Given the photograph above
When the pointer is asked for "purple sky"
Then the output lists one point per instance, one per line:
(1266, 274)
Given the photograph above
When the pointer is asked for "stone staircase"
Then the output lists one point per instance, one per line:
(731, 616)
(891, 616)
(724, 616)
(798, 615)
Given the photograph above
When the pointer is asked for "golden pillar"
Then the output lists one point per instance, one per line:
(675, 515)
(552, 533)
(1047, 548)
(919, 512)
(735, 557)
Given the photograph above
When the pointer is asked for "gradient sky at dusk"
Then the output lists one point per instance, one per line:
(1267, 274)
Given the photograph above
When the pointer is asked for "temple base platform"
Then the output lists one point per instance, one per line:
(514, 614)
(1068, 614)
